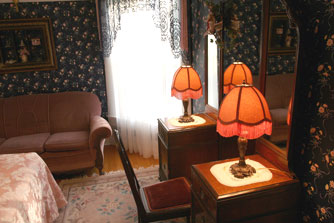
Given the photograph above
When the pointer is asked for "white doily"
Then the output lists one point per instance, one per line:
(223, 174)
(197, 121)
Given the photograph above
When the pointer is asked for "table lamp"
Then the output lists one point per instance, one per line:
(244, 112)
(235, 74)
(186, 84)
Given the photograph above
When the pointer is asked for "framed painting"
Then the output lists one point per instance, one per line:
(26, 45)
(282, 38)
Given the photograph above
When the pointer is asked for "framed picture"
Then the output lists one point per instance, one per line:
(282, 38)
(26, 45)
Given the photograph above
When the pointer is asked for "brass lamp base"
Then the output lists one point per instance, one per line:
(185, 118)
(241, 170)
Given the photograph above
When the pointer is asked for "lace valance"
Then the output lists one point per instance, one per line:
(166, 16)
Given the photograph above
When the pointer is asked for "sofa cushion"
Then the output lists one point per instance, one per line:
(24, 144)
(67, 141)
(279, 116)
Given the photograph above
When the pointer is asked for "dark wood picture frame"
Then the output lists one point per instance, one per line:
(26, 45)
(282, 37)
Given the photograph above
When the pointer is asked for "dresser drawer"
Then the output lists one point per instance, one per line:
(199, 213)
(163, 161)
(204, 196)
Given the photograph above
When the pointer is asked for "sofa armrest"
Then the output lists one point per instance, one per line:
(99, 131)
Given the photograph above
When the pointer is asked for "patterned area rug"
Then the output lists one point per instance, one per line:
(105, 198)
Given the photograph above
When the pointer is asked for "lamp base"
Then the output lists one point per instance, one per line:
(186, 119)
(242, 171)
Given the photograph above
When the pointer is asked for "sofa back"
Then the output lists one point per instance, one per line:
(40, 113)
(279, 90)
(71, 111)
(25, 115)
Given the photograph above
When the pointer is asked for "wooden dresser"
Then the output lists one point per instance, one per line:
(274, 201)
(181, 147)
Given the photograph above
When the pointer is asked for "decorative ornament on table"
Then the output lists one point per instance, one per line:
(222, 16)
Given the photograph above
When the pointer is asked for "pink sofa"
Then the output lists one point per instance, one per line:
(66, 129)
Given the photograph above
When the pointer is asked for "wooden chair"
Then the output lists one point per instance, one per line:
(164, 200)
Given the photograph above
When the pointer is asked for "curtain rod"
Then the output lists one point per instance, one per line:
(25, 1)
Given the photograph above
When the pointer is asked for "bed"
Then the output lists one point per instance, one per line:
(28, 191)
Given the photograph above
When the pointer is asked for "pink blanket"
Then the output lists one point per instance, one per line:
(28, 191)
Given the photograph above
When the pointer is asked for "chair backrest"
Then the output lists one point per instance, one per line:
(130, 174)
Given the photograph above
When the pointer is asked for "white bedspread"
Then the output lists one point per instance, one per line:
(28, 191)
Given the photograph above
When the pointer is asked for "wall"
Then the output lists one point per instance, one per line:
(247, 44)
(80, 61)
(313, 110)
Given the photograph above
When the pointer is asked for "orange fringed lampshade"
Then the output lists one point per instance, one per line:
(244, 112)
(236, 74)
(186, 84)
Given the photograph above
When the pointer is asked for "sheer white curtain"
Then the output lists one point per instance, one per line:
(139, 75)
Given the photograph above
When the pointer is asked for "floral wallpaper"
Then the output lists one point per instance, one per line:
(279, 64)
(247, 44)
(199, 15)
(285, 63)
(312, 146)
(80, 61)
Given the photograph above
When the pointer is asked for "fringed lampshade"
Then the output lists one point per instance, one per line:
(244, 112)
(186, 84)
(235, 74)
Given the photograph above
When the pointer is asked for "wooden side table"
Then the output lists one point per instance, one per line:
(274, 201)
(181, 147)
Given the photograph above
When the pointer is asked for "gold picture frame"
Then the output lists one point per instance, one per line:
(282, 38)
(26, 45)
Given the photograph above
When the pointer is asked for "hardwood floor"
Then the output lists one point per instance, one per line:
(112, 161)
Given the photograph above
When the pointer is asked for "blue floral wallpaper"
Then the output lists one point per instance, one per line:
(80, 61)
(247, 44)
(199, 13)
(313, 110)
